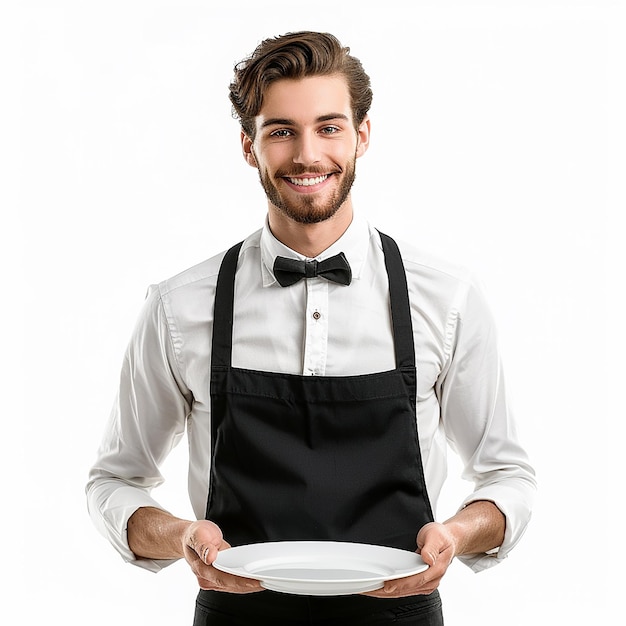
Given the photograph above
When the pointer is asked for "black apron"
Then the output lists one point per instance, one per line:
(333, 458)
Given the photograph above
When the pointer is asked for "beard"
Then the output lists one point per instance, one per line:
(307, 209)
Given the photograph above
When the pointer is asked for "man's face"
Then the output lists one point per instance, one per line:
(306, 147)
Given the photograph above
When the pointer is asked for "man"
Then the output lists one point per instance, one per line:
(299, 392)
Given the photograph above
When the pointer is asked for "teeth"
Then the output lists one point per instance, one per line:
(307, 182)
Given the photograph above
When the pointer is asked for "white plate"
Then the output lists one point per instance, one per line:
(319, 568)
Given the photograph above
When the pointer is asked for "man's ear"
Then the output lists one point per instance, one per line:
(246, 147)
(363, 137)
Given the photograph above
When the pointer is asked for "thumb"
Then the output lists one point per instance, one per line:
(428, 545)
(429, 555)
(205, 539)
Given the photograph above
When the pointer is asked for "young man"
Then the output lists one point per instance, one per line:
(299, 391)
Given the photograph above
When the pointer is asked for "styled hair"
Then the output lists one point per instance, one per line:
(296, 55)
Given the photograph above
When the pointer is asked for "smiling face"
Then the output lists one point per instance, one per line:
(306, 146)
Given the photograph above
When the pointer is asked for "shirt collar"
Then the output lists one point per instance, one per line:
(353, 243)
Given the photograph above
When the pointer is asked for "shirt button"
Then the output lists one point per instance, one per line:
(316, 315)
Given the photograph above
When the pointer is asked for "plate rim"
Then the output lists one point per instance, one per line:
(397, 573)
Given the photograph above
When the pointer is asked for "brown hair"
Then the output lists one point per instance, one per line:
(296, 55)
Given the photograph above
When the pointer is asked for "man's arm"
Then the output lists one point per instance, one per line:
(477, 528)
(480, 427)
(147, 419)
(155, 534)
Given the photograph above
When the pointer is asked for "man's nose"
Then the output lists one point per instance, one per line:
(307, 150)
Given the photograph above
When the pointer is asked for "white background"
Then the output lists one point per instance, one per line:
(497, 141)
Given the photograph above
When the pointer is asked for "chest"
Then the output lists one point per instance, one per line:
(315, 328)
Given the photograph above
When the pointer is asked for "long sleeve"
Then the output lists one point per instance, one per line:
(479, 424)
(147, 420)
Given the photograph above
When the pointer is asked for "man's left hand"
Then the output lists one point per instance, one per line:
(436, 545)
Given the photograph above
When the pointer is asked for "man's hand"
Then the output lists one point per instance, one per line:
(436, 546)
(475, 529)
(201, 543)
(156, 534)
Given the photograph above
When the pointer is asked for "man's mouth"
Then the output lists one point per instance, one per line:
(307, 182)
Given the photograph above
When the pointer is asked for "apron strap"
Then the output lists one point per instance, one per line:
(400, 304)
(221, 355)
(398, 294)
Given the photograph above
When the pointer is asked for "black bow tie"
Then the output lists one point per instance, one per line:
(290, 271)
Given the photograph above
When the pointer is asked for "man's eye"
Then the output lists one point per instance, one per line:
(281, 132)
(329, 130)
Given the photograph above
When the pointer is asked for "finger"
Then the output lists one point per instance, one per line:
(429, 555)
(201, 552)
(409, 586)
(210, 578)
(209, 551)
(216, 580)
(402, 591)
(429, 544)
(434, 541)
(423, 583)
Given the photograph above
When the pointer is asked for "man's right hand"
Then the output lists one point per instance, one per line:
(201, 542)
(156, 534)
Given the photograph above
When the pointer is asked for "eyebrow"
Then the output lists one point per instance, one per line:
(280, 121)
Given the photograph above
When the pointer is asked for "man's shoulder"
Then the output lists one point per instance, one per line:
(437, 284)
(425, 263)
(204, 274)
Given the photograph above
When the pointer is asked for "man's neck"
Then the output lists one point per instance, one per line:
(309, 240)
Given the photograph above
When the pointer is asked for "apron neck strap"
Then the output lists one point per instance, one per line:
(221, 352)
(400, 304)
(398, 292)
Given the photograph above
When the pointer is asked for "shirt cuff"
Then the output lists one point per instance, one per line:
(110, 514)
(514, 500)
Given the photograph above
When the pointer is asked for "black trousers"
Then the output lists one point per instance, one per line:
(276, 609)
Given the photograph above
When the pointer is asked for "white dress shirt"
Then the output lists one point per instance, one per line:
(315, 328)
